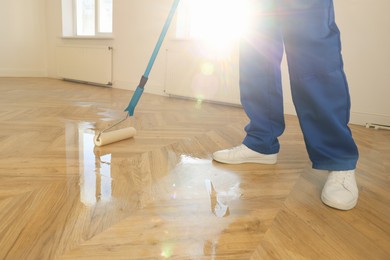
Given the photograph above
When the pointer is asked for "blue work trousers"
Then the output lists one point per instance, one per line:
(307, 31)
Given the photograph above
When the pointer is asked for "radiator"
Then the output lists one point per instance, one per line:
(87, 64)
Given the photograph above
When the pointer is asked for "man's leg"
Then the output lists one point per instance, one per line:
(261, 91)
(318, 84)
(320, 94)
(260, 83)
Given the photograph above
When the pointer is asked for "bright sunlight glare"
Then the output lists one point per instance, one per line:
(217, 23)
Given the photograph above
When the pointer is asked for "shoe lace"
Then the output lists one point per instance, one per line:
(341, 177)
(237, 148)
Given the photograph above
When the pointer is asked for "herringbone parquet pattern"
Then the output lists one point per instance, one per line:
(159, 195)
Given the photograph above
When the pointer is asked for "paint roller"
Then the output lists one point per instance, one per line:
(104, 137)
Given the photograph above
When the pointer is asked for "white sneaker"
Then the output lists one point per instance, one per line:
(340, 190)
(242, 154)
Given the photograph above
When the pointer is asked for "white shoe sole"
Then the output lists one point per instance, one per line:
(335, 205)
(266, 159)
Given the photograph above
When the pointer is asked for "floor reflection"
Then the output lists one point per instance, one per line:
(206, 196)
(194, 178)
(94, 169)
(181, 177)
(221, 200)
(179, 192)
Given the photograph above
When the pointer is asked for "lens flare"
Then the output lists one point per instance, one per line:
(167, 250)
(218, 24)
(207, 68)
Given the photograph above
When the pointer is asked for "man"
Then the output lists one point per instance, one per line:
(306, 29)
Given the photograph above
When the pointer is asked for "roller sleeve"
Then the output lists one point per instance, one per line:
(114, 136)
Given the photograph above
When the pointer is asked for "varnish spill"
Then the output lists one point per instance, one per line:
(199, 180)
(219, 201)
(94, 168)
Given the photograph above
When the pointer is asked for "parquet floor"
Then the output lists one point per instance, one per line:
(159, 195)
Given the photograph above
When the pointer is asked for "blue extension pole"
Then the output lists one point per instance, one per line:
(140, 88)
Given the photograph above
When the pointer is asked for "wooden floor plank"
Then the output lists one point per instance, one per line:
(159, 195)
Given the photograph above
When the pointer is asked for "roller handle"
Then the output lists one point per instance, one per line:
(140, 89)
(136, 96)
(161, 38)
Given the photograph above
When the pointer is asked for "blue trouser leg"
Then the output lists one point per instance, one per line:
(261, 87)
(318, 84)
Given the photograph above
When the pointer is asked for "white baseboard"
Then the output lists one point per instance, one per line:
(359, 118)
(356, 118)
(150, 87)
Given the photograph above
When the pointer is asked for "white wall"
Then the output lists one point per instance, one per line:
(23, 49)
(365, 36)
(28, 46)
(365, 40)
(365, 33)
(137, 26)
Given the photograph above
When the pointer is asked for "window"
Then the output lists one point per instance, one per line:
(87, 18)
(213, 19)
